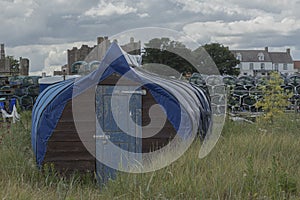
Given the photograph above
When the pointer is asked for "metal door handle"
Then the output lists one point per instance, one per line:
(142, 92)
(101, 137)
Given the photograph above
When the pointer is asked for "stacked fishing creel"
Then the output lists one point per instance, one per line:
(26, 90)
(292, 87)
(244, 92)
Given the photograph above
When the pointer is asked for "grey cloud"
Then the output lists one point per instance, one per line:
(43, 24)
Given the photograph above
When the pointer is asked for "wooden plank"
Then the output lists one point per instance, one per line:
(156, 122)
(83, 108)
(68, 146)
(88, 126)
(65, 125)
(68, 156)
(82, 115)
(148, 102)
(84, 104)
(163, 133)
(71, 136)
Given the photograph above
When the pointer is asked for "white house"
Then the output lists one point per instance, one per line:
(262, 62)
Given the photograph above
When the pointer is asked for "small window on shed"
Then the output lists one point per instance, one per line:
(285, 66)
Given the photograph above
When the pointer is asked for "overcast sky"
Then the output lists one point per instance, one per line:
(43, 30)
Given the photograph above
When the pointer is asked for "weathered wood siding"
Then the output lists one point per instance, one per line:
(66, 149)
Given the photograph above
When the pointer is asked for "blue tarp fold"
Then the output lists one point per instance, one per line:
(186, 107)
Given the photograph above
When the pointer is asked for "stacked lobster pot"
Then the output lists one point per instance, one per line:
(26, 90)
(244, 92)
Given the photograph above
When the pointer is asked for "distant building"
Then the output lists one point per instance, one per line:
(24, 66)
(99, 50)
(262, 62)
(132, 47)
(103, 43)
(4, 62)
(58, 73)
(76, 54)
(6, 67)
(297, 66)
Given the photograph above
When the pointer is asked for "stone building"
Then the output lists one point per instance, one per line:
(132, 47)
(76, 54)
(24, 66)
(6, 67)
(4, 62)
(88, 54)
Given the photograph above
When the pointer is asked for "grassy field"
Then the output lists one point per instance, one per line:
(250, 161)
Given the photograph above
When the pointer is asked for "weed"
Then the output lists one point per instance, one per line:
(247, 163)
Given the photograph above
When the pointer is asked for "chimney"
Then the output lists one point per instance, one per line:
(2, 52)
(131, 40)
(267, 49)
(288, 51)
(100, 40)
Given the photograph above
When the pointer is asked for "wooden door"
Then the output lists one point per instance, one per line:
(109, 135)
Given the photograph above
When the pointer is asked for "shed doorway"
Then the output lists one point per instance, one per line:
(109, 136)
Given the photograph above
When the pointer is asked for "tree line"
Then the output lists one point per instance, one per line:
(176, 55)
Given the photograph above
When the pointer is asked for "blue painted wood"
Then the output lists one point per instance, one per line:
(108, 126)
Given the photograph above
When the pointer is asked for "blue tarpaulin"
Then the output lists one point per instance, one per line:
(184, 105)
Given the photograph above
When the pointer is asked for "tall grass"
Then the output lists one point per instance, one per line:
(20, 178)
(250, 161)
